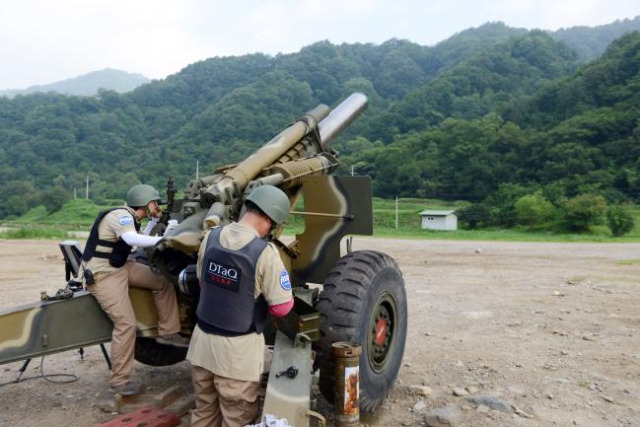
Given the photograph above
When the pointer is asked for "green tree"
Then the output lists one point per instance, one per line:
(619, 220)
(474, 216)
(488, 108)
(583, 211)
(502, 203)
(54, 198)
(17, 197)
(534, 210)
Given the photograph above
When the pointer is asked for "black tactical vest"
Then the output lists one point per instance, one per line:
(119, 252)
(227, 305)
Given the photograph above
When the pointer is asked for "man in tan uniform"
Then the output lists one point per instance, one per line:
(241, 278)
(106, 254)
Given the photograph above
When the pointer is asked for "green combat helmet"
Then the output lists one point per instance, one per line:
(140, 195)
(272, 201)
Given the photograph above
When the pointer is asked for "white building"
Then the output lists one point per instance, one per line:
(439, 220)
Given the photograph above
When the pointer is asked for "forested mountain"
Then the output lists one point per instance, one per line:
(490, 80)
(574, 134)
(590, 42)
(88, 84)
(488, 111)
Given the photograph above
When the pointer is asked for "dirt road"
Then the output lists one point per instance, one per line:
(547, 332)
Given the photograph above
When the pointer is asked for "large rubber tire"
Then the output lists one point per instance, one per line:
(364, 300)
(150, 352)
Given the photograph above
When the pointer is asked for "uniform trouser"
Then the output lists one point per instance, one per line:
(223, 402)
(112, 293)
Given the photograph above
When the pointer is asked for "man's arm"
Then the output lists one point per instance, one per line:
(281, 310)
(132, 238)
(275, 282)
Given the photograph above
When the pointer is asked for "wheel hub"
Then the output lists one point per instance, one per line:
(381, 332)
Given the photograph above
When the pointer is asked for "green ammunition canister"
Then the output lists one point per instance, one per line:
(347, 386)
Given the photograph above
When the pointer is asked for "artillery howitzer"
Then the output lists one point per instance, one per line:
(362, 297)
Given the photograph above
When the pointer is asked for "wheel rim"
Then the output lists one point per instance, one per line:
(381, 332)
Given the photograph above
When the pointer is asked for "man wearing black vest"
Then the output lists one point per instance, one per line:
(242, 277)
(106, 256)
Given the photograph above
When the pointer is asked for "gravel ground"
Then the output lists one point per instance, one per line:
(500, 334)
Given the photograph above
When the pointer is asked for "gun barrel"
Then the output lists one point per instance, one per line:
(341, 117)
(248, 169)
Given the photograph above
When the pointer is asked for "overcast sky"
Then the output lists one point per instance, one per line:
(43, 41)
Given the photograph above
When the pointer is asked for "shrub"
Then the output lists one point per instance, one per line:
(474, 216)
(619, 220)
(534, 210)
(502, 202)
(583, 211)
(54, 198)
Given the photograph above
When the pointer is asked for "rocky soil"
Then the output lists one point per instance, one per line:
(500, 334)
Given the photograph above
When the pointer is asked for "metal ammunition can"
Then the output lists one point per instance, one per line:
(346, 355)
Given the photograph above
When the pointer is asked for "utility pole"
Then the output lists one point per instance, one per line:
(75, 193)
(351, 170)
(197, 169)
(396, 212)
(86, 191)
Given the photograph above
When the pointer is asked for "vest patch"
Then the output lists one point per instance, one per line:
(223, 276)
(285, 281)
(126, 219)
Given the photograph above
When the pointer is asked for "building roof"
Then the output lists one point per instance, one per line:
(435, 213)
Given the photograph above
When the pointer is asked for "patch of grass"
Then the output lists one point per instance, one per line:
(34, 233)
(75, 214)
(409, 226)
(479, 235)
(34, 215)
(408, 209)
(80, 214)
(628, 262)
(500, 235)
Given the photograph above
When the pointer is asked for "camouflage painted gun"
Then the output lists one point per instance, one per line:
(362, 298)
